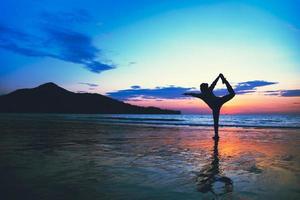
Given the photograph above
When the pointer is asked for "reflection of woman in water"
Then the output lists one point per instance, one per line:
(214, 102)
(211, 174)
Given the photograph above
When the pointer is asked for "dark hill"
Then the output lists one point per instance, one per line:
(50, 98)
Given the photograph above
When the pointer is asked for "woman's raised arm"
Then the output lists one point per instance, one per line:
(214, 83)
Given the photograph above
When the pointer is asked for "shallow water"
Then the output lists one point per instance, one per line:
(62, 157)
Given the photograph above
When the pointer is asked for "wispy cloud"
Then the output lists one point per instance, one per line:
(135, 87)
(284, 93)
(176, 92)
(23, 43)
(89, 84)
(55, 41)
(132, 63)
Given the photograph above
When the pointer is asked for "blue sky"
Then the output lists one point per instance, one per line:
(109, 46)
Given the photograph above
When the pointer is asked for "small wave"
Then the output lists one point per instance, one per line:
(196, 125)
(139, 119)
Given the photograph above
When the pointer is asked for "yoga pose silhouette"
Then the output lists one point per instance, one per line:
(214, 102)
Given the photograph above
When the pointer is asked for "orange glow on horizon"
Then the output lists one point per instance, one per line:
(241, 104)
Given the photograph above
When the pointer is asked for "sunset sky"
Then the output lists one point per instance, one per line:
(149, 52)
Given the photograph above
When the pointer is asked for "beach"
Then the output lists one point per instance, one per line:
(66, 157)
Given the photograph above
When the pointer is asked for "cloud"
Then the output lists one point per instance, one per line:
(284, 93)
(132, 63)
(290, 93)
(245, 87)
(135, 87)
(57, 42)
(170, 92)
(22, 43)
(250, 86)
(89, 84)
(176, 92)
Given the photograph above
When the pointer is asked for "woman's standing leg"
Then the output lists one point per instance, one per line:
(216, 114)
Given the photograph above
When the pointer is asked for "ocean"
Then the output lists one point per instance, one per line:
(255, 121)
(71, 156)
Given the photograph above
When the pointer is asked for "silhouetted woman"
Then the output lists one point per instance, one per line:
(214, 102)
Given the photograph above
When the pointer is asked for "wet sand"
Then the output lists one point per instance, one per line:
(65, 159)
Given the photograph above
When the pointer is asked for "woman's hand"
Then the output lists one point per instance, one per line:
(223, 78)
(198, 95)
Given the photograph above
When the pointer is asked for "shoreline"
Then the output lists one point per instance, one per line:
(196, 125)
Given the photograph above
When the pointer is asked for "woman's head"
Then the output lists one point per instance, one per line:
(204, 87)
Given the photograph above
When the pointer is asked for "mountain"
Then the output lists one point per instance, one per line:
(50, 98)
